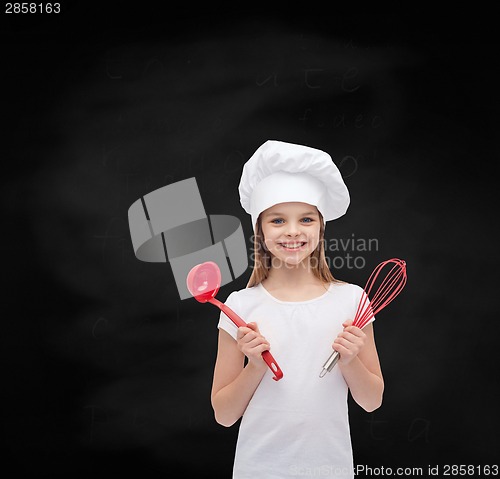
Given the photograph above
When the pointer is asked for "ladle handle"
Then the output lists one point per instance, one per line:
(273, 365)
(229, 313)
(266, 355)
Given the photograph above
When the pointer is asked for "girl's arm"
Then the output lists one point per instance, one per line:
(360, 365)
(233, 384)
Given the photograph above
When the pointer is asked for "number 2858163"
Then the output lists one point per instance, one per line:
(32, 7)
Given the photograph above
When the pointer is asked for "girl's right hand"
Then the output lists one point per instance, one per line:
(252, 344)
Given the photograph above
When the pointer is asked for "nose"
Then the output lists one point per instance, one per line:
(293, 229)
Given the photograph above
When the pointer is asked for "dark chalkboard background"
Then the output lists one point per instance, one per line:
(105, 369)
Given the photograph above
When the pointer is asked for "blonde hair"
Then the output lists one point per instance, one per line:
(262, 258)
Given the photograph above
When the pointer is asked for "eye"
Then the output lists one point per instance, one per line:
(307, 220)
(277, 221)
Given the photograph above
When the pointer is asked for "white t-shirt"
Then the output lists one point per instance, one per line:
(297, 426)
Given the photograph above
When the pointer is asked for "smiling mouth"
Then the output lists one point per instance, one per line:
(292, 246)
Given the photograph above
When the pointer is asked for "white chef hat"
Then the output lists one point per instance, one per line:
(280, 172)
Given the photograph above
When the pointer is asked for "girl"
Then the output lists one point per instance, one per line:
(293, 305)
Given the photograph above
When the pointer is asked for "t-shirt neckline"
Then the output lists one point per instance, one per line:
(317, 298)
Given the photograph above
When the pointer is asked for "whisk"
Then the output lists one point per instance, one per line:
(389, 288)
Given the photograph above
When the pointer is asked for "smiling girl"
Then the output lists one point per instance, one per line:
(294, 306)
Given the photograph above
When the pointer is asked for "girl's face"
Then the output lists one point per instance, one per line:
(291, 231)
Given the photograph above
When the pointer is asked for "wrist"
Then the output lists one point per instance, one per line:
(349, 363)
(257, 366)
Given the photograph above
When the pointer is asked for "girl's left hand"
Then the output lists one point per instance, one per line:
(349, 342)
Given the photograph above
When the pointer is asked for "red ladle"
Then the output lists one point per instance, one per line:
(203, 282)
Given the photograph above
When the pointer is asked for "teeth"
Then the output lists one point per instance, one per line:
(294, 246)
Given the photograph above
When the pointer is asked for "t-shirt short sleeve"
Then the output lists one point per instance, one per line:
(224, 322)
(365, 306)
